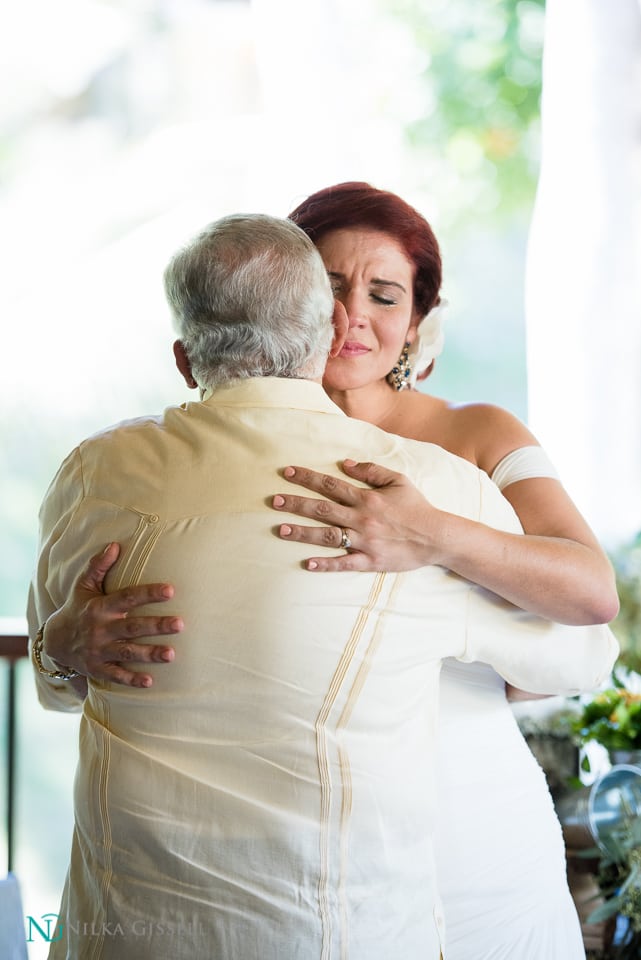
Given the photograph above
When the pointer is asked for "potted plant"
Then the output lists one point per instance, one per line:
(619, 880)
(612, 718)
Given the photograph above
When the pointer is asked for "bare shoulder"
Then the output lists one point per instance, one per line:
(481, 432)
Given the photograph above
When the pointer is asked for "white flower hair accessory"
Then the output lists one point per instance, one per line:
(429, 340)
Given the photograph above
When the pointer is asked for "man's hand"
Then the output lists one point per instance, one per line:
(390, 524)
(93, 632)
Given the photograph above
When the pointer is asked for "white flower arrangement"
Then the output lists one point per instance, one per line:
(429, 340)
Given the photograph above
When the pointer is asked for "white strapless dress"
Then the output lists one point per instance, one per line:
(499, 847)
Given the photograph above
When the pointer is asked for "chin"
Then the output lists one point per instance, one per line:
(344, 374)
(345, 382)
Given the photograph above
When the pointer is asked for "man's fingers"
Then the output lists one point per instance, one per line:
(114, 673)
(128, 628)
(114, 670)
(128, 598)
(138, 653)
(93, 576)
(338, 490)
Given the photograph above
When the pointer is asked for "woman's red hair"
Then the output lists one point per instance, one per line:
(353, 204)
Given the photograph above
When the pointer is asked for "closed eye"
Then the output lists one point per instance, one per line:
(386, 292)
(386, 301)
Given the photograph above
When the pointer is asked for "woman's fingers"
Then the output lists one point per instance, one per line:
(337, 490)
(346, 561)
(372, 473)
(334, 537)
(324, 510)
(338, 493)
(385, 523)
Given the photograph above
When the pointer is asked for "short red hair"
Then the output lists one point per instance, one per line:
(355, 204)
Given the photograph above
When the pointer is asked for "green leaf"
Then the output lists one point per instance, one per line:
(606, 909)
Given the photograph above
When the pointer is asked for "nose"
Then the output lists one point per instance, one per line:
(356, 306)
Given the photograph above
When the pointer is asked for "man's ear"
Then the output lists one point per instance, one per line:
(183, 364)
(341, 326)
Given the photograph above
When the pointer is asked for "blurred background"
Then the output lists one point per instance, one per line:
(126, 125)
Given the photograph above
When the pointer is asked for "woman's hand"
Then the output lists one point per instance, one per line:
(556, 570)
(93, 632)
(390, 524)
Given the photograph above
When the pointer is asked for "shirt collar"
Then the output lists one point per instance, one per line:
(272, 392)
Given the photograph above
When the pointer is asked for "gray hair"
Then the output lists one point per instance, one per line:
(250, 297)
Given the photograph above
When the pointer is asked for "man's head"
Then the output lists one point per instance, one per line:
(250, 297)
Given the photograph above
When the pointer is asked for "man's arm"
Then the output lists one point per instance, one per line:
(85, 629)
(534, 654)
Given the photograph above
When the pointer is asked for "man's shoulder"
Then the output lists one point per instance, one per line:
(124, 452)
(124, 432)
(430, 456)
(453, 483)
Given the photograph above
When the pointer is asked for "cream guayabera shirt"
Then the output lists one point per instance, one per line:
(271, 796)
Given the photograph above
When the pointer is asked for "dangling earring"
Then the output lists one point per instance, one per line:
(399, 376)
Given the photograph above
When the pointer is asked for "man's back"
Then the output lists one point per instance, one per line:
(271, 795)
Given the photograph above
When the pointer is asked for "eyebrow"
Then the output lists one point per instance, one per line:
(377, 281)
(388, 283)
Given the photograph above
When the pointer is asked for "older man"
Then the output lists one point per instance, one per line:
(270, 797)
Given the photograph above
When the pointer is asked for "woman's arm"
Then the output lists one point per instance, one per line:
(557, 570)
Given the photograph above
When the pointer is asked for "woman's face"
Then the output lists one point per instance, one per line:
(374, 280)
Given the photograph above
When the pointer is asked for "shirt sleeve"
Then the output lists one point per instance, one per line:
(61, 501)
(530, 652)
(526, 463)
(536, 654)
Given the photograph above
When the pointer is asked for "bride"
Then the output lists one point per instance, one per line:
(500, 854)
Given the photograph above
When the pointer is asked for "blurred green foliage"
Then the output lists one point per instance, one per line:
(627, 625)
(478, 126)
(612, 718)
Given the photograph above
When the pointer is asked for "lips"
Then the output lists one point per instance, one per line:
(352, 348)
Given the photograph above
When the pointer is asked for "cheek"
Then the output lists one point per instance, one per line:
(397, 335)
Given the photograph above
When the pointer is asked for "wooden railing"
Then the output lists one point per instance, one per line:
(13, 647)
